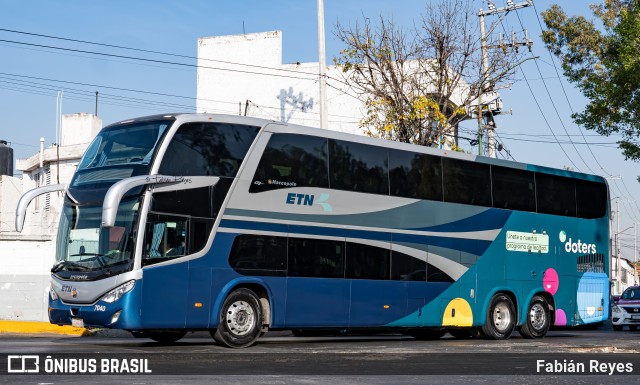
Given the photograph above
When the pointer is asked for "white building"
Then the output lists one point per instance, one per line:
(26, 258)
(628, 275)
(264, 87)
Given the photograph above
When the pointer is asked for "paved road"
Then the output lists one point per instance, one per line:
(281, 358)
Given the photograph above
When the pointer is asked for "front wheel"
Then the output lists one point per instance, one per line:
(501, 318)
(538, 319)
(617, 328)
(240, 322)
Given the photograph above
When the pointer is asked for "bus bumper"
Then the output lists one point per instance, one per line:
(121, 314)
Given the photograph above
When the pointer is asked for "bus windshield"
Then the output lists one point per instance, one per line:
(84, 246)
(120, 152)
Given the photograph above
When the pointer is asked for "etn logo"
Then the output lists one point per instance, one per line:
(309, 200)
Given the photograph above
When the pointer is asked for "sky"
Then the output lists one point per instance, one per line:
(541, 103)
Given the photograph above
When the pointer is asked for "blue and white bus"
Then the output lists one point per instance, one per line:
(238, 225)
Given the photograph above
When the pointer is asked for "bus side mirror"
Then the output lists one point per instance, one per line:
(26, 198)
(117, 191)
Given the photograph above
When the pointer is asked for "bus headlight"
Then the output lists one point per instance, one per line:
(52, 294)
(118, 292)
(616, 309)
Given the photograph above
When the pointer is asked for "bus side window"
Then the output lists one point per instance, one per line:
(591, 199)
(291, 160)
(165, 238)
(367, 262)
(407, 268)
(215, 149)
(358, 167)
(555, 195)
(466, 182)
(415, 175)
(513, 189)
(316, 258)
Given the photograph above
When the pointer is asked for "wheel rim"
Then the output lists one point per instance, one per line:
(240, 318)
(502, 317)
(537, 316)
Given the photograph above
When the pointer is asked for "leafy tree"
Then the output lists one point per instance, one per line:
(603, 60)
(418, 83)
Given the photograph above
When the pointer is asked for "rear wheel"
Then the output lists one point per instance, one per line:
(240, 322)
(166, 337)
(538, 319)
(501, 317)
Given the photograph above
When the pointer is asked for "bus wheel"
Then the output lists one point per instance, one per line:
(501, 318)
(426, 334)
(538, 319)
(166, 337)
(240, 320)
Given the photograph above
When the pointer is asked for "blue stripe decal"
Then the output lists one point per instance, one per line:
(471, 246)
(258, 226)
(486, 220)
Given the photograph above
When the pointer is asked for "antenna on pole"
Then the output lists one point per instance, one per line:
(322, 66)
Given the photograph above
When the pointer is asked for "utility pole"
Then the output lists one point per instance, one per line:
(322, 67)
(491, 124)
(618, 273)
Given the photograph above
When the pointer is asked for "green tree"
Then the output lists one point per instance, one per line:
(603, 61)
(419, 83)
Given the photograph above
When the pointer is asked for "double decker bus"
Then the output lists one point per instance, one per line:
(238, 225)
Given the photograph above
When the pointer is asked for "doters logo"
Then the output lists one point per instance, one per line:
(576, 247)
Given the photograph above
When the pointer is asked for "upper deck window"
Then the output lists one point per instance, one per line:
(466, 182)
(210, 149)
(358, 167)
(415, 175)
(292, 161)
(119, 152)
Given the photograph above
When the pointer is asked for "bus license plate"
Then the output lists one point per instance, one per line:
(77, 322)
(635, 317)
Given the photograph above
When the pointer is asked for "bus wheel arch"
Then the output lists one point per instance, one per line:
(258, 288)
(538, 317)
(240, 319)
(501, 316)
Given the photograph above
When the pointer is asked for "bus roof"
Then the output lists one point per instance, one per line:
(281, 127)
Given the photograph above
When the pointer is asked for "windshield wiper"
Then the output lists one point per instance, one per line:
(68, 265)
(81, 254)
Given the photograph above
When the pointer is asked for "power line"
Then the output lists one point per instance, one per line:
(554, 106)
(151, 51)
(153, 60)
(564, 91)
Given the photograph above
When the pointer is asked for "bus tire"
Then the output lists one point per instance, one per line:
(240, 320)
(501, 318)
(426, 334)
(166, 337)
(538, 319)
(617, 328)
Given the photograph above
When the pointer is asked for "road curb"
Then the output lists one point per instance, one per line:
(33, 327)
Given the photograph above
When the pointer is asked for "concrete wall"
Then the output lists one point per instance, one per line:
(26, 258)
(25, 278)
